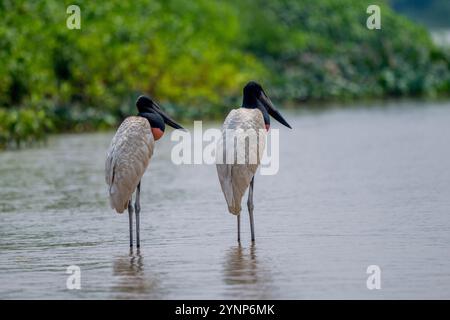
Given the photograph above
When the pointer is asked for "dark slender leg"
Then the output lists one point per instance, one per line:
(239, 227)
(137, 208)
(130, 216)
(250, 208)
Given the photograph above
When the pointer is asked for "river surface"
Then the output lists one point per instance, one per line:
(356, 187)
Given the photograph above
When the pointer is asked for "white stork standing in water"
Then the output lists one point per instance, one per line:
(236, 177)
(129, 154)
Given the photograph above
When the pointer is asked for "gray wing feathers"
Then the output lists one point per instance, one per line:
(127, 159)
(234, 177)
(234, 180)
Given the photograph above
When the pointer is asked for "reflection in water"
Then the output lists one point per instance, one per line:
(132, 281)
(130, 265)
(387, 204)
(244, 275)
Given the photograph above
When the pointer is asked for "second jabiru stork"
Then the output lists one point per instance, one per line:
(236, 177)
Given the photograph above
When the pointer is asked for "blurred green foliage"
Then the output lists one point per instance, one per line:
(195, 56)
(323, 49)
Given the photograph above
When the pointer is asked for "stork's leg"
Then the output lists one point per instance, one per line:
(239, 227)
(130, 216)
(250, 208)
(137, 208)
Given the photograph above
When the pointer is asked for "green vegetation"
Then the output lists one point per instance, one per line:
(194, 57)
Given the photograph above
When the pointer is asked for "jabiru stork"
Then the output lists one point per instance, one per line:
(129, 155)
(235, 178)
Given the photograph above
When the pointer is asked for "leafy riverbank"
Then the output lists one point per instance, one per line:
(194, 57)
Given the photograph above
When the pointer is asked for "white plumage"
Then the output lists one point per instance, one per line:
(127, 159)
(235, 177)
(237, 171)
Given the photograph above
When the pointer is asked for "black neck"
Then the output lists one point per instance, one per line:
(249, 101)
(155, 120)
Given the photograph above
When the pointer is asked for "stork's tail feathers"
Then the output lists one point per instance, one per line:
(236, 210)
(115, 201)
(234, 180)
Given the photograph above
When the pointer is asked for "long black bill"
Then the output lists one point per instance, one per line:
(264, 99)
(168, 120)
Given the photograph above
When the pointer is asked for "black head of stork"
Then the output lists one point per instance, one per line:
(255, 97)
(157, 118)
